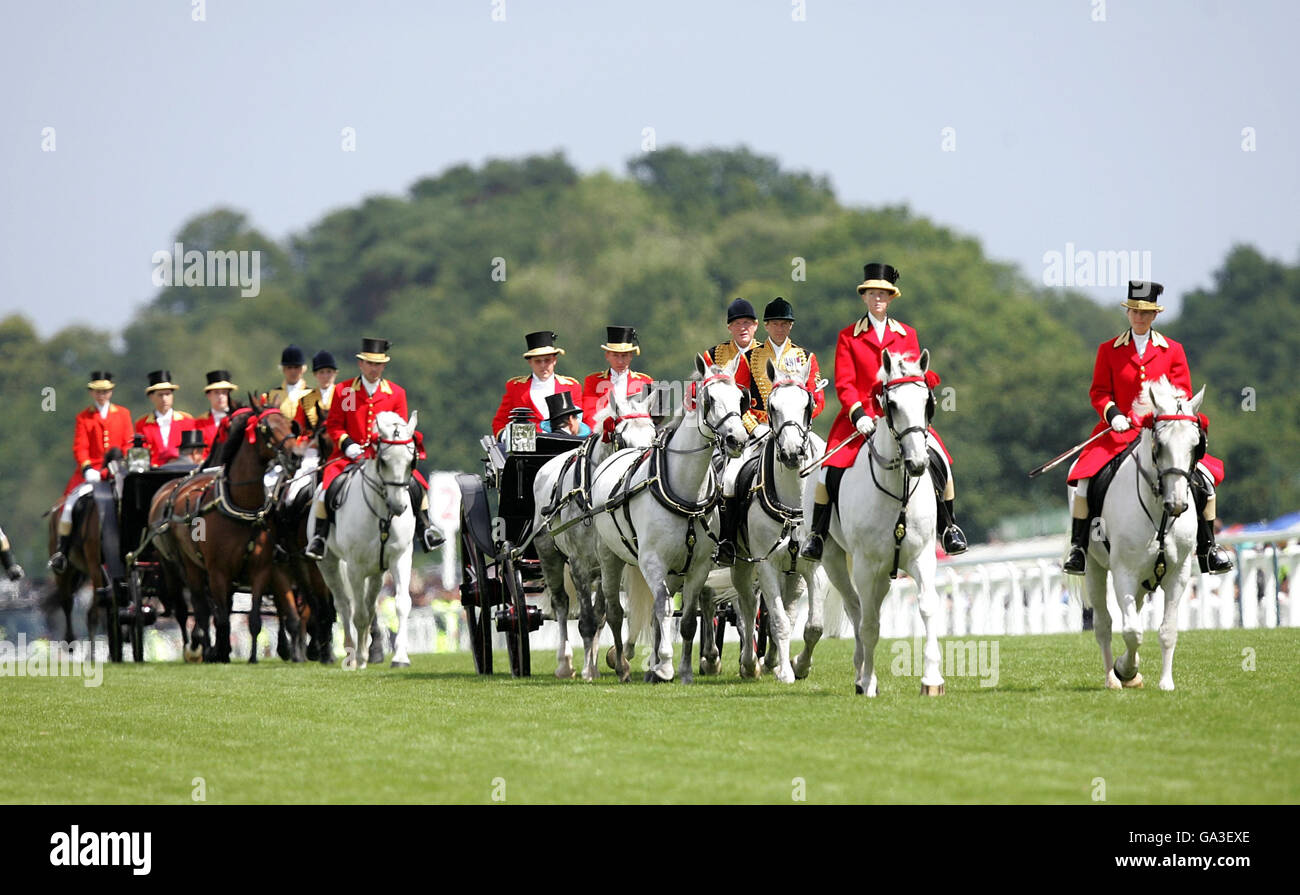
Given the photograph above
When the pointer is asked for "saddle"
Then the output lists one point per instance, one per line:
(1100, 484)
(938, 470)
(334, 493)
(739, 504)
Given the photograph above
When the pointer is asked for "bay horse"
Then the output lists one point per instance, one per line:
(216, 525)
(654, 510)
(570, 474)
(884, 520)
(1145, 537)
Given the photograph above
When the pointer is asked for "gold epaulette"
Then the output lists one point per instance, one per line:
(1122, 340)
(1158, 340)
(644, 377)
(565, 379)
(142, 420)
(181, 415)
(518, 379)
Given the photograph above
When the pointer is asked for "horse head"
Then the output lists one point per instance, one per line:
(721, 404)
(905, 401)
(395, 457)
(633, 425)
(789, 411)
(1177, 439)
(275, 437)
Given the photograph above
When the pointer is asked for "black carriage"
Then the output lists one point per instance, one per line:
(496, 515)
(134, 571)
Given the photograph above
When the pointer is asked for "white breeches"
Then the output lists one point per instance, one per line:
(71, 501)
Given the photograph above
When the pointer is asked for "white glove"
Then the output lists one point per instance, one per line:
(91, 474)
(352, 451)
(866, 425)
(1120, 423)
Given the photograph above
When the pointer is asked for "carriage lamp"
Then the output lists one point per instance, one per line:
(522, 432)
(137, 456)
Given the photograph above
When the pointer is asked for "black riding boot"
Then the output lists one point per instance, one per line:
(725, 555)
(12, 569)
(1074, 563)
(1213, 559)
(59, 561)
(952, 538)
(427, 537)
(316, 549)
(821, 525)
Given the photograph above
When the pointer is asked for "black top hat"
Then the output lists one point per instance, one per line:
(160, 379)
(100, 379)
(219, 379)
(559, 406)
(541, 343)
(322, 360)
(192, 439)
(375, 351)
(621, 338)
(778, 309)
(1142, 296)
(879, 276)
(740, 308)
(292, 357)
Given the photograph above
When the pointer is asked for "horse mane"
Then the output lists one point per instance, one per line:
(235, 435)
(903, 366)
(1157, 392)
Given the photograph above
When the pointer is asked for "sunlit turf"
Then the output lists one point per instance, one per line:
(436, 732)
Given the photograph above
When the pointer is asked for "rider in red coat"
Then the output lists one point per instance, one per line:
(1137, 356)
(217, 392)
(100, 428)
(351, 427)
(163, 427)
(532, 391)
(857, 365)
(620, 345)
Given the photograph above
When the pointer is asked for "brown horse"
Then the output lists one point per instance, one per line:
(84, 564)
(219, 530)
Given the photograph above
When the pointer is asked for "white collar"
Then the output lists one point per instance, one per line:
(103, 411)
(219, 415)
(778, 350)
(542, 383)
(164, 417)
(615, 375)
(370, 387)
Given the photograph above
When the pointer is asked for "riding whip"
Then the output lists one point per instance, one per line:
(1057, 461)
(820, 460)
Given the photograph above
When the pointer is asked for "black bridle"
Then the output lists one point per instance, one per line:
(804, 427)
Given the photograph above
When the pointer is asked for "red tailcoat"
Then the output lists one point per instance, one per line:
(93, 437)
(209, 427)
(1117, 380)
(595, 395)
(160, 453)
(518, 395)
(351, 419)
(857, 366)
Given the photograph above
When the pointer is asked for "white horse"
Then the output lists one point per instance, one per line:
(373, 532)
(890, 474)
(655, 514)
(775, 527)
(1149, 496)
(566, 478)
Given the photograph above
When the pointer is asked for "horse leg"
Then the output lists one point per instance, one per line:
(706, 599)
(1094, 582)
(219, 588)
(742, 579)
(661, 667)
(611, 575)
(589, 624)
(1169, 630)
(923, 573)
(402, 602)
(553, 573)
(287, 608)
(364, 617)
(779, 625)
(340, 586)
(872, 584)
(1126, 594)
(835, 563)
(816, 582)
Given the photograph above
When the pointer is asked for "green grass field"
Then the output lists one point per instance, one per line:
(435, 732)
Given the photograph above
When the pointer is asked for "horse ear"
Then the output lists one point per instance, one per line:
(886, 363)
(771, 370)
(925, 359)
(415, 416)
(734, 366)
(700, 365)
(1197, 399)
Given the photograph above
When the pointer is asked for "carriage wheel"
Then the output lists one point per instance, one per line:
(474, 590)
(112, 624)
(136, 623)
(521, 655)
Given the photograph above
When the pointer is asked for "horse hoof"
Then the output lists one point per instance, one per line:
(609, 658)
(1112, 682)
(1135, 683)
(932, 689)
(313, 653)
(397, 664)
(857, 689)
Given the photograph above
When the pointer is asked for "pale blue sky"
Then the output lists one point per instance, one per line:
(1115, 135)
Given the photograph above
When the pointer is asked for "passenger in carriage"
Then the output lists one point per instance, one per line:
(287, 394)
(193, 450)
(565, 417)
(619, 377)
(351, 426)
(532, 391)
(1124, 364)
(857, 365)
(163, 427)
(217, 391)
(100, 428)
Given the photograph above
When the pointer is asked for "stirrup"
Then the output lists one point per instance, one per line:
(432, 540)
(1074, 563)
(954, 540)
(316, 549)
(58, 563)
(1215, 561)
